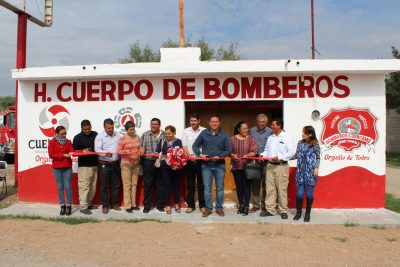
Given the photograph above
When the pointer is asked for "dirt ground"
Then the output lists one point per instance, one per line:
(43, 243)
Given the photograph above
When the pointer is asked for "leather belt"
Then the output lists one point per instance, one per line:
(108, 163)
(281, 162)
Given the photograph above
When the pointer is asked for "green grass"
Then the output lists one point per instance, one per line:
(350, 224)
(75, 220)
(392, 203)
(378, 227)
(341, 239)
(393, 159)
(138, 220)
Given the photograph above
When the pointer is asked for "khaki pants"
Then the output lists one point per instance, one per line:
(87, 182)
(129, 173)
(276, 182)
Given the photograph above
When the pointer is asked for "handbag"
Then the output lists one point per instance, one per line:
(157, 163)
(253, 170)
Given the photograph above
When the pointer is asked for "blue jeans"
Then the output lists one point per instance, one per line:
(308, 188)
(209, 170)
(63, 178)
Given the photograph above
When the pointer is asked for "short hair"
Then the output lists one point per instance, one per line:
(261, 116)
(157, 120)
(194, 115)
(129, 124)
(59, 128)
(85, 123)
(214, 116)
(278, 121)
(108, 121)
(170, 128)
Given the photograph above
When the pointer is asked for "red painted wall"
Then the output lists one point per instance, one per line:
(351, 187)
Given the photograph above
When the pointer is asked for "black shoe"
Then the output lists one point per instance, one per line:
(135, 208)
(91, 207)
(308, 209)
(86, 211)
(297, 216)
(62, 211)
(68, 210)
(161, 209)
(245, 211)
(299, 206)
(241, 209)
(129, 210)
(266, 214)
(263, 208)
(146, 210)
(284, 216)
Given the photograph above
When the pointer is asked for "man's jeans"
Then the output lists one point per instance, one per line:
(212, 169)
(63, 178)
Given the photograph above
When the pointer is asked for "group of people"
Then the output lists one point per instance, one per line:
(119, 157)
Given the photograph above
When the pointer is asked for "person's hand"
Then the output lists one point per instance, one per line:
(316, 172)
(204, 156)
(275, 158)
(86, 150)
(215, 158)
(108, 154)
(67, 156)
(234, 156)
(192, 157)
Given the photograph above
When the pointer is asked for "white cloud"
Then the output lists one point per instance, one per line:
(95, 31)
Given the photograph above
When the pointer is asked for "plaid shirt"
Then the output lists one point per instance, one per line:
(149, 141)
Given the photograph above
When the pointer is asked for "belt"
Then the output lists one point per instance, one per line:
(281, 162)
(108, 163)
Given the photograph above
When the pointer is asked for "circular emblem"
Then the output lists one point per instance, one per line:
(349, 125)
(51, 117)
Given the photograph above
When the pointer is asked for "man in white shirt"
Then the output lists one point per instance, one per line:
(193, 167)
(107, 142)
(279, 148)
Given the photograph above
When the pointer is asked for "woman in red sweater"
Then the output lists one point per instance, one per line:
(59, 151)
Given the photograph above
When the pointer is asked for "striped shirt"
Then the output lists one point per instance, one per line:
(241, 148)
(149, 142)
(131, 144)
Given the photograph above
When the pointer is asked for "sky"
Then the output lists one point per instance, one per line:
(100, 31)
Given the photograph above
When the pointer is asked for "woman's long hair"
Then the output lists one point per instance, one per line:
(237, 127)
(310, 132)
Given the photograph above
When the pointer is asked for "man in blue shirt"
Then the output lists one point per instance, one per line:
(215, 145)
(260, 133)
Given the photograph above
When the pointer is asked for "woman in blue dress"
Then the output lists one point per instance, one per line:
(308, 159)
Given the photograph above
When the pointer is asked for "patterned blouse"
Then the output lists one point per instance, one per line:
(241, 148)
(308, 158)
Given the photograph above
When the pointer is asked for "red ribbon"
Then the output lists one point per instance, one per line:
(79, 153)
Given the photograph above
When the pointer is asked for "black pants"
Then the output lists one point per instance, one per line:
(243, 187)
(170, 179)
(151, 176)
(109, 177)
(193, 171)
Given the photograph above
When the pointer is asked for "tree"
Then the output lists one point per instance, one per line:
(7, 101)
(137, 54)
(393, 86)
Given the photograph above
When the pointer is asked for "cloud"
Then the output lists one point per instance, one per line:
(92, 31)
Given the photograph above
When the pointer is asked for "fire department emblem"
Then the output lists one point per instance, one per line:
(124, 115)
(349, 129)
(51, 117)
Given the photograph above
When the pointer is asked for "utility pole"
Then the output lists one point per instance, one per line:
(23, 18)
(312, 30)
(181, 25)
